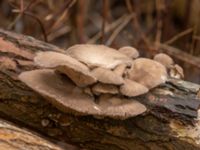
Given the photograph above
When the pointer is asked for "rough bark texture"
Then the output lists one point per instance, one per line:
(170, 123)
(14, 138)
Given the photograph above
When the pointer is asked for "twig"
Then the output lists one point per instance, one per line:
(181, 55)
(22, 9)
(159, 10)
(105, 15)
(38, 20)
(135, 23)
(108, 28)
(80, 20)
(61, 14)
(195, 37)
(178, 36)
(193, 44)
(60, 31)
(118, 29)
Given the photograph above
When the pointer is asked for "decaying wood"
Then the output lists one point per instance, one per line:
(170, 123)
(14, 138)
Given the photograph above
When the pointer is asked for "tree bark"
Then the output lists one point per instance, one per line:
(14, 138)
(171, 121)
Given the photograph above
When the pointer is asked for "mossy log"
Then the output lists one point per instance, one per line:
(171, 121)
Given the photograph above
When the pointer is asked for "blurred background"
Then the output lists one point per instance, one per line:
(152, 26)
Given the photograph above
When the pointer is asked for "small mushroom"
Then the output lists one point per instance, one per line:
(107, 76)
(147, 72)
(62, 93)
(164, 59)
(131, 88)
(119, 107)
(176, 71)
(101, 88)
(129, 51)
(97, 55)
(76, 71)
(120, 69)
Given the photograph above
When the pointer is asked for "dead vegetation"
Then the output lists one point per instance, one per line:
(151, 26)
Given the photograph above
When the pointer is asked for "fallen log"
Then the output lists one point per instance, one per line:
(14, 138)
(171, 121)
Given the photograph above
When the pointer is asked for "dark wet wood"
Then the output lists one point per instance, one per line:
(170, 123)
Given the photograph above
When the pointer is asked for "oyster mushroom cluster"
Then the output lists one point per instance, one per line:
(97, 80)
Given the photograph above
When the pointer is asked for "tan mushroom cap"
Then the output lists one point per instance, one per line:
(164, 59)
(67, 97)
(120, 69)
(97, 55)
(88, 90)
(122, 108)
(129, 51)
(76, 71)
(62, 93)
(101, 88)
(107, 76)
(131, 88)
(176, 71)
(147, 72)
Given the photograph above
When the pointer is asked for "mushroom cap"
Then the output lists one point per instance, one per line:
(147, 72)
(97, 55)
(101, 88)
(164, 59)
(67, 97)
(87, 90)
(120, 69)
(129, 51)
(107, 76)
(76, 71)
(131, 88)
(119, 107)
(177, 72)
(61, 92)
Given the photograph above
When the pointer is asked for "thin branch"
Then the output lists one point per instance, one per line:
(159, 10)
(181, 55)
(195, 37)
(38, 20)
(194, 42)
(178, 36)
(119, 29)
(135, 23)
(108, 28)
(22, 9)
(105, 16)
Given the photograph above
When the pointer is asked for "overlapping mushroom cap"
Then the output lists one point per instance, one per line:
(97, 55)
(96, 80)
(76, 71)
(66, 96)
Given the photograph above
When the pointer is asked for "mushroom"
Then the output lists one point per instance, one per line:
(176, 71)
(101, 88)
(76, 71)
(131, 88)
(164, 59)
(129, 51)
(147, 72)
(97, 55)
(67, 97)
(62, 93)
(120, 69)
(120, 107)
(107, 76)
(88, 91)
